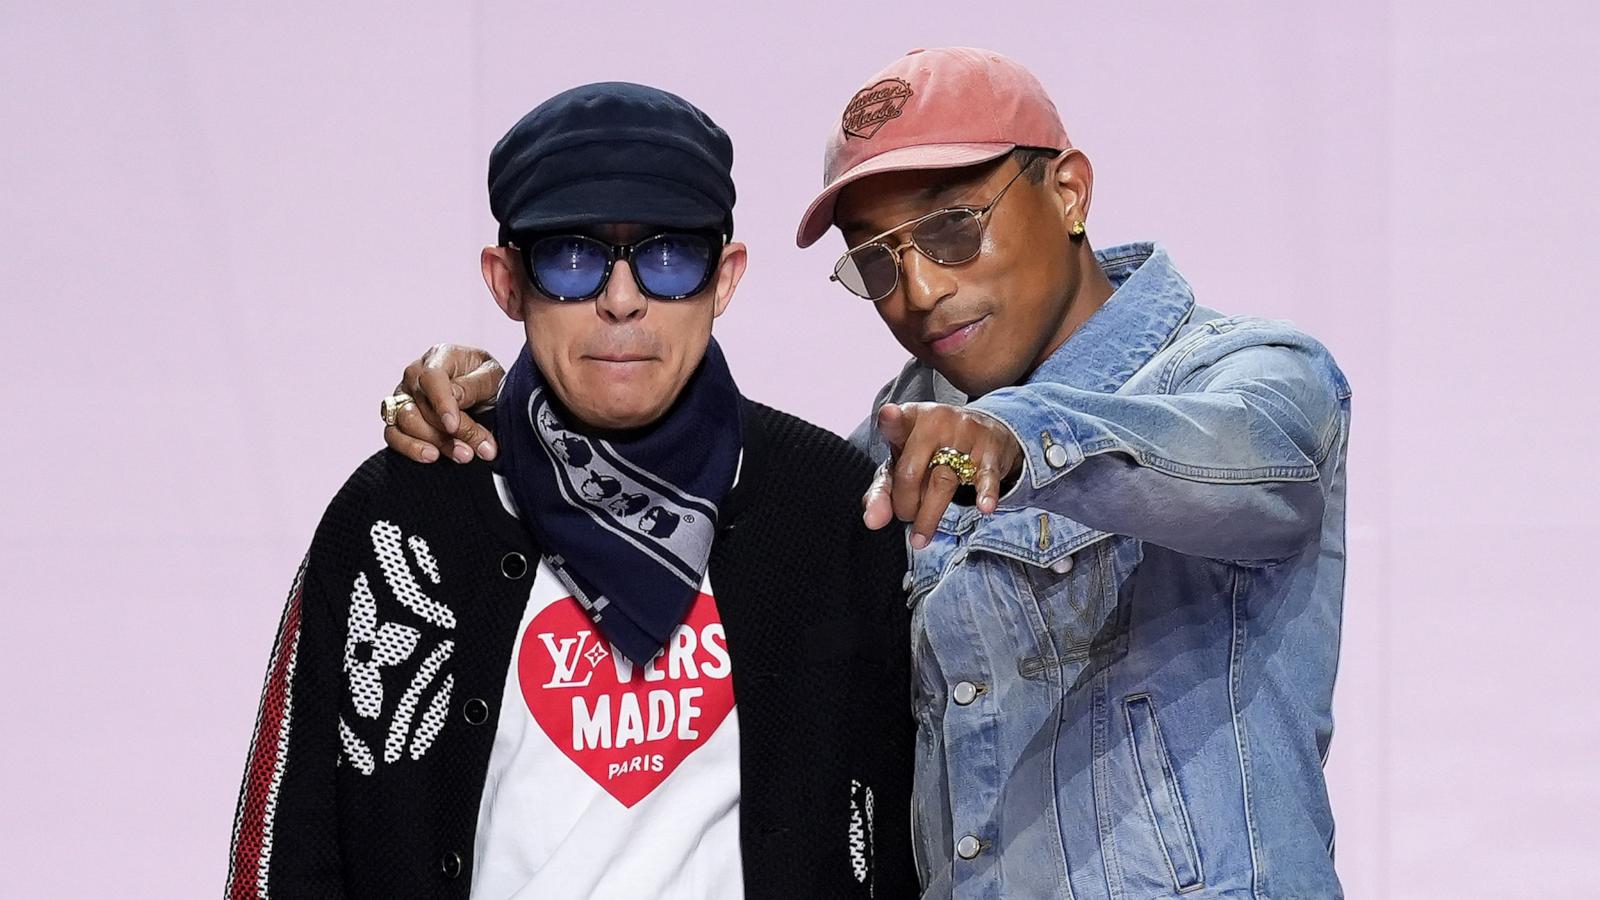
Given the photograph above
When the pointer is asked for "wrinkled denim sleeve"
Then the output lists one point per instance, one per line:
(1223, 459)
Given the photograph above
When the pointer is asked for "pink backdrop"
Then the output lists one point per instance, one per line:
(224, 230)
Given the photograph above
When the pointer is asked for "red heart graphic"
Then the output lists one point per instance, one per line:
(627, 726)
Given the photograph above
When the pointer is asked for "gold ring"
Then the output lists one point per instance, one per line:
(960, 463)
(392, 404)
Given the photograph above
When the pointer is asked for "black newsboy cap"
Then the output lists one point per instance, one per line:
(613, 153)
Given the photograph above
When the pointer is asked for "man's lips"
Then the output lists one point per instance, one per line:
(949, 339)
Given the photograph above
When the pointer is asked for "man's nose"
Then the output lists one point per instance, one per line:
(621, 300)
(924, 281)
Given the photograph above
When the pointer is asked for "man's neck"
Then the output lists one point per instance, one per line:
(1092, 293)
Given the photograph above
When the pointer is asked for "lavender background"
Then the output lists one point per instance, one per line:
(223, 229)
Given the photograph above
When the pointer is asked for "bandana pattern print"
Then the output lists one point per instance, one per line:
(660, 519)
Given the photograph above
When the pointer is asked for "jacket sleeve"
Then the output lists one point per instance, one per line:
(285, 840)
(1228, 464)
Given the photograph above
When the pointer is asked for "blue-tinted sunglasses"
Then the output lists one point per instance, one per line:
(672, 265)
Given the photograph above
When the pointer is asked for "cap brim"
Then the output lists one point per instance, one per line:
(620, 201)
(819, 216)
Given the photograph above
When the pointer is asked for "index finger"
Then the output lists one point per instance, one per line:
(892, 425)
(442, 394)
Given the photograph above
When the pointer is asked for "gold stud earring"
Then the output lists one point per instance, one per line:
(1078, 228)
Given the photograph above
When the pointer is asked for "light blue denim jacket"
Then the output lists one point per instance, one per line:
(1124, 677)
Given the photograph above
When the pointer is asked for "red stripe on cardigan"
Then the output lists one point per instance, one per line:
(252, 842)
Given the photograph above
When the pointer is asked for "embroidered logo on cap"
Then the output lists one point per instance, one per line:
(875, 105)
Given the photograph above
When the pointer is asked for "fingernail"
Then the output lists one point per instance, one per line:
(429, 453)
(918, 541)
(450, 422)
(486, 450)
(461, 453)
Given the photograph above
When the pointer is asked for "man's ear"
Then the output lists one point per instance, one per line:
(734, 258)
(1072, 178)
(502, 273)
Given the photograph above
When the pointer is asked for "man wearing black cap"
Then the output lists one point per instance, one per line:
(651, 652)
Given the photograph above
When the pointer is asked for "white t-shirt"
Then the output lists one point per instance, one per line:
(609, 779)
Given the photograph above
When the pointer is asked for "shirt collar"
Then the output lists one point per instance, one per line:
(1150, 303)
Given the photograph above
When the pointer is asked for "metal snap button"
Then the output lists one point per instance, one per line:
(1062, 566)
(964, 693)
(1055, 455)
(513, 565)
(968, 847)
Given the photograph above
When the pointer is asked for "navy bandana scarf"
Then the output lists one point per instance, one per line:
(626, 523)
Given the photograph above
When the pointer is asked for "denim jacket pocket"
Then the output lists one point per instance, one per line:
(1076, 598)
(1169, 815)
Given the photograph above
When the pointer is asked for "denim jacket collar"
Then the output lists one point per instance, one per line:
(1150, 304)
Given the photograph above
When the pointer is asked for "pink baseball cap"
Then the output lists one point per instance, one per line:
(933, 109)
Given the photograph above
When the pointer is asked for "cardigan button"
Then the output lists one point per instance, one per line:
(513, 565)
(450, 865)
(475, 711)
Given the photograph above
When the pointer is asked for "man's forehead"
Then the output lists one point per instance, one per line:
(882, 201)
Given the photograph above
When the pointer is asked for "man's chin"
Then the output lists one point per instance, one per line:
(620, 416)
(963, 379)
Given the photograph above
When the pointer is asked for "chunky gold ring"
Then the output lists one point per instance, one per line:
(392, 404)
(960, 463)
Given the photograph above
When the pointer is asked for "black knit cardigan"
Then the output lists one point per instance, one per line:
(817, 629)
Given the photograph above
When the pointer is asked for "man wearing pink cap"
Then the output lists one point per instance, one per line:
(1125, 642)
(1126, 515)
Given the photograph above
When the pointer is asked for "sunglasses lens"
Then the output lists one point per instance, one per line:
(868, 271)
(675, 265)
(568, 266)
(952, 237)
